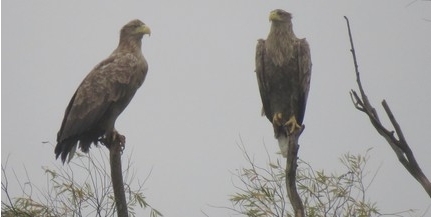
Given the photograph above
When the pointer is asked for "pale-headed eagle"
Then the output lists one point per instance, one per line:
(104, 94)
(283, 69)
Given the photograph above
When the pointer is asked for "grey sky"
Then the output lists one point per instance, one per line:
(201, 96)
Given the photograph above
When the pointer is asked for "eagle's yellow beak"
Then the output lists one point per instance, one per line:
(273, 16)
(144, 29)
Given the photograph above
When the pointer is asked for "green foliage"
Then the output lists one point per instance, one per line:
(337, 194)
(262, 190)
(70, 195)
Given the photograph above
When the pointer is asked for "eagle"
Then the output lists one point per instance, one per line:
(283, 70)
(103, 94)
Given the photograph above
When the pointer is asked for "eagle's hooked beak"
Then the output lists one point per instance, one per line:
(273, 16)
(145, 30)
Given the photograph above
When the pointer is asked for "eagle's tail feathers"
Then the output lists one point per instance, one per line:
(72, 152)
(64, 148)
(283, 143)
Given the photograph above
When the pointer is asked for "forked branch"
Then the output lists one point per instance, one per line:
(398, 143)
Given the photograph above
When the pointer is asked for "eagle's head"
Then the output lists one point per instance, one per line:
(136, 29)
(280, 16)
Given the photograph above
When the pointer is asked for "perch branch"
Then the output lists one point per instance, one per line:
(115, 142)
(400, 145)
(291, 165)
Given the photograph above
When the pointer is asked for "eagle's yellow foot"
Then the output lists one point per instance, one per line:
(119, 139)
(112, 139)
(293, 124)
(276, 119)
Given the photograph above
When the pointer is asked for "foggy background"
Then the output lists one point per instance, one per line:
(201, 98)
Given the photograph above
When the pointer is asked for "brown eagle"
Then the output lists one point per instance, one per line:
(283, 69)
(104, 94)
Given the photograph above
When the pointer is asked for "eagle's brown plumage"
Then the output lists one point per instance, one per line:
(283, 69)
(104, 93)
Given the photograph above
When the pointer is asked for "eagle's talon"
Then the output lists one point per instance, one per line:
(117, 138)
(293, 124)
(122, 141)
(113, 138)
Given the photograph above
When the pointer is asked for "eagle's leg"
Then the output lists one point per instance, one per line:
(276, 119)
(293, 124)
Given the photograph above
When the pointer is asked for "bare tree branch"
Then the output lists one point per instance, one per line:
(400, 145)
(291, 165)
(115, 143)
